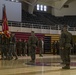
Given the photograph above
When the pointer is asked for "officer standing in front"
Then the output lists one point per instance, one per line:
(32, 42)
(66, 42)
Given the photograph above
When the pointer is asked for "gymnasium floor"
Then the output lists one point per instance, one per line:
(46, 65)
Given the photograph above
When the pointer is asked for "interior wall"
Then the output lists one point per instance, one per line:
(71, 10)
(25, 6)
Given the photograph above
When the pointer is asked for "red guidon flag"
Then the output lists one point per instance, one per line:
(5, 27)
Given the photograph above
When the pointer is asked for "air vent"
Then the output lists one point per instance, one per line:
(66, 6)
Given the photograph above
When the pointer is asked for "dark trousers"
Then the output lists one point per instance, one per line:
(54, 51)
(40, 51)
(65, 55)
(33, 53)
(28, 51)
(58, 51)
(12, 51)
(23, 51)
(4, 51)
(19, 51)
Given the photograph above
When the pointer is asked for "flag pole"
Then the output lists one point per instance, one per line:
(5, 27)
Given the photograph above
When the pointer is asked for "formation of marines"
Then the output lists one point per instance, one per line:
(10, 45)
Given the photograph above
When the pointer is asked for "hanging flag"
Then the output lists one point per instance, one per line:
(5, 27)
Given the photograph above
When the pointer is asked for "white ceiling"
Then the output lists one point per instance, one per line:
(53, 3)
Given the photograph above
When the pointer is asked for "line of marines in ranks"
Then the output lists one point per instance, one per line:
(12, 48)
(8, 46)
(56, 48)
(21, 47)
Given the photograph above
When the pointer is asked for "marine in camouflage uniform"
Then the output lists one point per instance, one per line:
(12, 47)
(66, 42)
(33, 42)
(24, 47)
(5, 46)
(54, 47)
(19, 47)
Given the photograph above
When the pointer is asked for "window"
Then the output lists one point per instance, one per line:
(37, 6)
(41, 7)
(45, 8)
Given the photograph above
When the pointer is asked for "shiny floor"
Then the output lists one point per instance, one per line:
(51, 66)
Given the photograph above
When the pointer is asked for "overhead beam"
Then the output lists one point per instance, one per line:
(26, 2)
(60, 3)
(33, 2)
